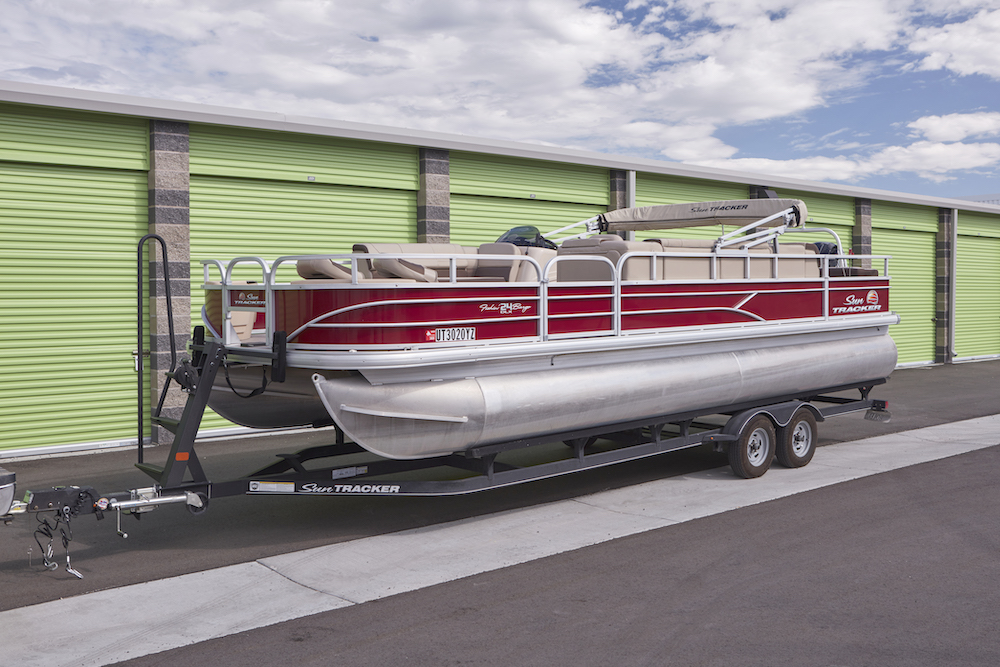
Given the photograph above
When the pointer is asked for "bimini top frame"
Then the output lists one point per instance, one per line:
(748, 213)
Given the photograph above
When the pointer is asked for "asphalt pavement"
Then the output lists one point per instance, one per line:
(894, 568)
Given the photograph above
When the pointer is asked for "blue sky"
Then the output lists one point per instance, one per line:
(892, 94)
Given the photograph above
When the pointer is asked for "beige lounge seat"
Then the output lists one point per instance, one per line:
(797, 267)
(685, 268)
(498, 268)
(327, 271)
(610, 247)
(425, 267)
(322, 269)
(527, 273)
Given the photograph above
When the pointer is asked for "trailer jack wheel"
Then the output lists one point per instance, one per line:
(751, 454)
(797, 441)
(195, 508)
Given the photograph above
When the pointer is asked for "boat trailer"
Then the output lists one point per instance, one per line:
(753, 434)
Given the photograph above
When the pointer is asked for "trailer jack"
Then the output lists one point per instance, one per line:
(148, 499)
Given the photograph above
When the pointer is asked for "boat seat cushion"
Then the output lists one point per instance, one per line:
(390, 267)
(609, 246)
(402, 268)
(527, 273)
(313, 269)
(498, 268)
(685, 268)
(797, 267)
(728, 268)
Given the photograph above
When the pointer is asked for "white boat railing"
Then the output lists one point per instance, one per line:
(265, 303)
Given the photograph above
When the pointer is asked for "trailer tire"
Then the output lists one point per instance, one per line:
(751, 454)
(195, 510)
(797, 440)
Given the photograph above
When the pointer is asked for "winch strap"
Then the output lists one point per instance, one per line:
(259, 390)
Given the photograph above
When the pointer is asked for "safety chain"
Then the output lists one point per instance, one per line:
(61, 525)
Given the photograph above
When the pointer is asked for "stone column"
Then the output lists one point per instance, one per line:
(861, 237)
(943, 286)
(170, 218)
(434, 197)
(619, 189)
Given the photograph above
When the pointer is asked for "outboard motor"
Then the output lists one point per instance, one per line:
(828, 248)
(526, 235)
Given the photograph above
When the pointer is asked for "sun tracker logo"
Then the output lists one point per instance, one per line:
(248, 299)
(855, 304)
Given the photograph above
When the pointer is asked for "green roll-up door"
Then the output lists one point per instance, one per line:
(476, 220)
(828, 211)
(67, 317)
(906, 217)
(73, 138)
(490, 194)
(825, 210)
(234, 217)
(912, 269)
(268, 194)
(283, 156)
(977, 286)
(908, 233)
(516, 178)
(653, 189)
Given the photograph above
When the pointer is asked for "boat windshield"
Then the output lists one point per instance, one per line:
(526, 235)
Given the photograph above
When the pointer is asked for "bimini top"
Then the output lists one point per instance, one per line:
(768, 212)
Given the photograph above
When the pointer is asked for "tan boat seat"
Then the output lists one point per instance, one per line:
(326, 271)
(422, 269)
(609, 246)
(797, 267)
(527, 273)
(685, 268)
(322, 269)
(498, 268)
(696, 268)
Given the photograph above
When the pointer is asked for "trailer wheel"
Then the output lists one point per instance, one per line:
(194, 509)
(797, 441)
(750, 456)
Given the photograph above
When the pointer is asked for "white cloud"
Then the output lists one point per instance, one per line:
(818, 168)
(967, 47)
(559, 72)
(933, 161)
(958, 126)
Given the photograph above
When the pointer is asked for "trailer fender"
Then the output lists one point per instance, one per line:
(780, 413)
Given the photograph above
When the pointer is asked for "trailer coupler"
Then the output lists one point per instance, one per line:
(66, 502)
(144, 500)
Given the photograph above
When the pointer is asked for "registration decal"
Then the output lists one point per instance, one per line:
(451, 335)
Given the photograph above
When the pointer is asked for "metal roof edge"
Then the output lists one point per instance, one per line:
(115, 103)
